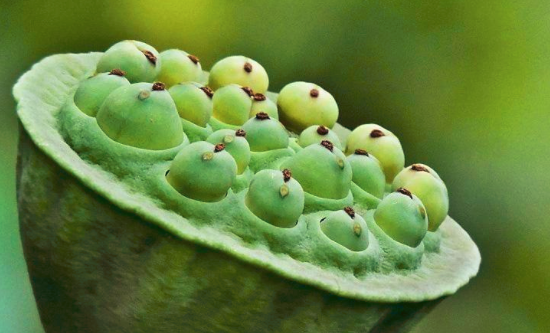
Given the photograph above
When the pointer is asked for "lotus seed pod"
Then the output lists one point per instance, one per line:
(260, 103)
(193, 102)
(203, 171)
(140, 61)
(425, 183)
(303, 104)
(231, 104)
(141, 115)
(235, 144)
(347, 229)
(264, 133)
(402, 216)
(238, 70)
(381, 143)
(275, 197)
(178, 67)
(317, 133)
(322, 170)
(92, 92)
(367, 173)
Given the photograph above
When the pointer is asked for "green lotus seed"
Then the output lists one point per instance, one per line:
(347, 229)
(402, 216)
(92, 92)
(140, 61)
(303, 104)
(260, 103)
(178, 67)
(322, 170)
(381, 143)
(141, 115)
(235, 144)
(425, 183)
(231, 104)
(275, 197)
(317, 133)
(264, 133)
(193, 102)
(203, 172)
(238, 70)
(367, 173)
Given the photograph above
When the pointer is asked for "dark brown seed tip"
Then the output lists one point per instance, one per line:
(247, 67)
(324, 218)
(150, 56)
(209, 92)
(219, 147)
(350, 212)
(248, 90)
(259, 97)
(193, 58)
(287, 175)
(361, 152)
(327, 144)
(418, 167)
(157, 86)
(376, 133)
(118, 72)
(314, 93)
(262, 116)
(240, 132)
(404, 191)
(322, 130)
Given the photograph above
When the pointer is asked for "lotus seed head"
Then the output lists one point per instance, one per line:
(92, 92)
(381, 143)
(238, 70)
(402, 216)
(192, 102)
(260, 103)
(265, 133)
(303, 104)
(317, 169)
(426, 184)
(138, 116)
(178, 66)
(202, 171)
(231, 105)
(275, 198)
(367, 173)
(140, 61)
(347, 229)
(315, 134)
(235, 144)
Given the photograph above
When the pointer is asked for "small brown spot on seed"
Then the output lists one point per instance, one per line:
(314, 93)
(418, 167)
(118, 72)
(158, 86)
(350, 212)
(259, 97)
(193, 58)
(248, 90)
(376, 133)
(262, 116)
(287, 175)
(219, 147)
(150, 56)
(361, 152)
(209, 92)
(167, 172)
(322, 130)
(247, 67)
(240, 132)
(327, 144)
(404, 191)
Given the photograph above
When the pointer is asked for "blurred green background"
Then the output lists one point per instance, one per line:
(464, 84)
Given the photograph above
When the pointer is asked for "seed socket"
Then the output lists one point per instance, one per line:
(314, 93)
(248, 90)
(404, 191)
(219, 147)
(150, 56)
(327, 144)
(322, 130)
(376, 133)
(350, 212)
(193, 58)
(247, 67)
(258, 97)
(262, 116)
(418, 167)
(118, 72)
(209, 92)
(240, 132)
(158, 86)
(361, 152)
(287, 175)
